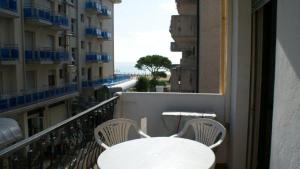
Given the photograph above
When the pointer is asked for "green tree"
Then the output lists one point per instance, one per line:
(142, 84)
(157, 65)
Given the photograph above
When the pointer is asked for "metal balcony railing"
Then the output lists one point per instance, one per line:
(10, 5)
(98, 57)
(108, 81)
(45, 55)
(98, 8)
(68, 144)
(106, 12)
(94, 32)
(12, 101)
(9, 53)
(93, 6)
(97, 33)
(41, 14)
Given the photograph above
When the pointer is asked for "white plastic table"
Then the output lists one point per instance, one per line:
(157, 153)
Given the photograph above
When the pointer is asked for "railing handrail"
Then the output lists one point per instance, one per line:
(13, 148)
(31, 91)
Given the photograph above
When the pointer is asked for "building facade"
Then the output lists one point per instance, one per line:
(184, 32)
(198, 34)
(50, 53)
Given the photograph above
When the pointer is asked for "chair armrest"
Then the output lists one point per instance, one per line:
(102, 144)
(216, 144)
(141, 133)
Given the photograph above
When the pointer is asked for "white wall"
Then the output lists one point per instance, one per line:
(137, 106)
(239, 83)
(285, 150)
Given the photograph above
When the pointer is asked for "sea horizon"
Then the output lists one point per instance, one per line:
(128, 68)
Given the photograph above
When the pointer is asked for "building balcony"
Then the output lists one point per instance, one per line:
(93, 32)
(187, 7)
(184, 28)
(46, 56)
(179, 47)
(93, 7)
(96, 8)
(145, 108)
(108, 81)
(97, 33)
(8, 8)
(105, 13)
(97, 57)
(9, 54)
(44, 17)
(30, 99)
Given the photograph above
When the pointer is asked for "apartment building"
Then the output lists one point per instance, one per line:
(184, 32)
(50, 53)
(198, 34)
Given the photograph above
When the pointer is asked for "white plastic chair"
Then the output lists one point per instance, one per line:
(115, 131)
(207, 131)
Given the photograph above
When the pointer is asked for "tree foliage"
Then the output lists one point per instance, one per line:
(157, 65)
(142, 84)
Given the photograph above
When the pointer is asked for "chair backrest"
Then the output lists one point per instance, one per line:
(114, 131)
(207, 131)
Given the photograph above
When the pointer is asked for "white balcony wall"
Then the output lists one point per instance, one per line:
(286, 113)
(149, 107)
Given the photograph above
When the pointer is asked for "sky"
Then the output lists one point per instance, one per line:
(142, 28)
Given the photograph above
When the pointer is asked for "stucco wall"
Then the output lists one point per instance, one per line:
(285, 152)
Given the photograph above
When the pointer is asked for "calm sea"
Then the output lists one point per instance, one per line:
(127, 68)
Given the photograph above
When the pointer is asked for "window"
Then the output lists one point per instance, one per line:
(90, 46)
(73, 25)
(82, 44)
(35, 121)
(82, 18)
(31, 80)
(61, 74)
(89, 21)
(62, 41)
(51, 78)
(82, 72)
(29, 40)
(100, 46)
(89, 74)
(100, 72)
(73, 53)
(51, 42)
(62, 8)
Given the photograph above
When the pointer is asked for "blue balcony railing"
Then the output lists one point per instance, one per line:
(10, 5)
(106, 12)
(46, 55)
(60, 21)
(108, 81)
(106, 35)
(45, 15)
(96, 57)
(28, 98)
(37, 13)
(106, 58)
(93, 6)
(95, 32)
(9, 53)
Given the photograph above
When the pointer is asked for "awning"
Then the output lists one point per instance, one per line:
(121, 87)
(10, 131)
